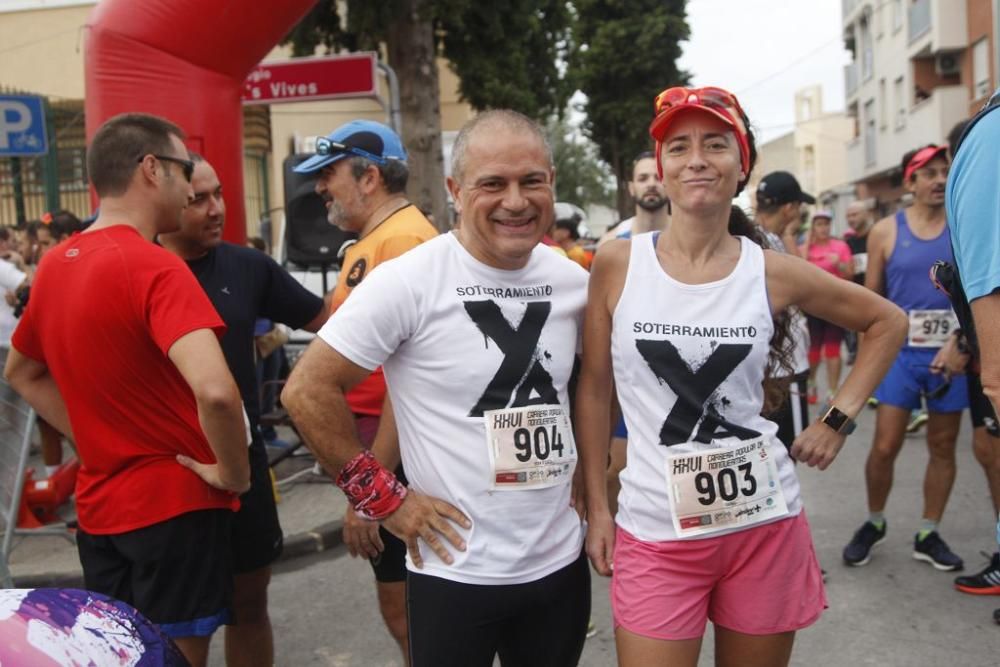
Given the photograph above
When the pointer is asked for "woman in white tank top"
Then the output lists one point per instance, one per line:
(710, 523)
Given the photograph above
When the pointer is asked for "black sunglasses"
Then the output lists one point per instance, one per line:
(187, 166)
(325, 146)
(940, 390)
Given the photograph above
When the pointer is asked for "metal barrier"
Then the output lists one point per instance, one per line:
(17, 421)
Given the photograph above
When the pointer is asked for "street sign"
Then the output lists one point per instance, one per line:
(22, 126)
(319, 78)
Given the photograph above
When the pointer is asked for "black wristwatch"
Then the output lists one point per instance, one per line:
(839, 421)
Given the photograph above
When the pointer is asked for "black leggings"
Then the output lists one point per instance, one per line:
(542, 623)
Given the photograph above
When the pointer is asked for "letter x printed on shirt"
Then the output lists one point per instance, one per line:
(521, 373)
(694, 417)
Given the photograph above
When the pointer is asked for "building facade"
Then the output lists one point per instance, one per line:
(918, 68)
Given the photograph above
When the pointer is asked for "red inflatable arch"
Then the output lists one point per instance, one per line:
(185, 60)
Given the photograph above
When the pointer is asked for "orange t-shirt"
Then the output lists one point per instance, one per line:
(401, 231)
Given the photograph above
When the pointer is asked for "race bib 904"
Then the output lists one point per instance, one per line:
(720, 489)
(530, 447)
(931, 328)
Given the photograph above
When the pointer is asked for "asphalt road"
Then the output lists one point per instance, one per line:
(894, 611)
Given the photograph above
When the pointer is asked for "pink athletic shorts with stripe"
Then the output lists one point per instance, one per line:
(759, 581)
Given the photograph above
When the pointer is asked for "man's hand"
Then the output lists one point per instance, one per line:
(361, 536)
(949, 360)
(429, 519)
(600, 544)
(817, 446)
(209, 473)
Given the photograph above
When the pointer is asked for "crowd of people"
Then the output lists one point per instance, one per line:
(505, 409)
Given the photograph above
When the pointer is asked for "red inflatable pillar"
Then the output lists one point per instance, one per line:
(185, 60)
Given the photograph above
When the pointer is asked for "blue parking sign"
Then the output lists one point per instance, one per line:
(22, 126)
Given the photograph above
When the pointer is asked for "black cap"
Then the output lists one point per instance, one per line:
(780, 187)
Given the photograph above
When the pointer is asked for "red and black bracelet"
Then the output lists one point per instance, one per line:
(373, 491)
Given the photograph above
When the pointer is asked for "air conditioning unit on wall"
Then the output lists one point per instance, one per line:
(948, 64)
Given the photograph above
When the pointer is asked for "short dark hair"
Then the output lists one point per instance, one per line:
(394, 173)
(571, 225)
(645, 155)
(955, 135)
(117, 146)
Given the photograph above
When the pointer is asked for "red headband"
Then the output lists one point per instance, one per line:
(922, 157)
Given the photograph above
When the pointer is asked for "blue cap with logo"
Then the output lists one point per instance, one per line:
(359, 138)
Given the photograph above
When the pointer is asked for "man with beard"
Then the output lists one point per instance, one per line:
(652, 210)
(362, 178)
(901, 250)
(244, 284)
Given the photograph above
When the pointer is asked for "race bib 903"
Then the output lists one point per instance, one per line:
(530, 447)
(720, 489)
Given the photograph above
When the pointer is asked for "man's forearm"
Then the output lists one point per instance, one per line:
(43, 395)
(325, 422)
(222, 422)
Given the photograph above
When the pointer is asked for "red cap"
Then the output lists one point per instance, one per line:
(922, 157)
(715, 101)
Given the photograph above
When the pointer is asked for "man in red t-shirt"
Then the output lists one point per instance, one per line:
(118, 349)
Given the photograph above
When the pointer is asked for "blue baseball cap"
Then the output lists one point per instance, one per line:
(361, 138)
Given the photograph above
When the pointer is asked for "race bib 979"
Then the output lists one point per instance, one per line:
(931, 328)
(530, 447)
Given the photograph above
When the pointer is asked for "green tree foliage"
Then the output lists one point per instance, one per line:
(505, 52)
(625, 53)
(582, 178)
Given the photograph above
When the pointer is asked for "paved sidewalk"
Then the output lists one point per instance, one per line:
(311, 510)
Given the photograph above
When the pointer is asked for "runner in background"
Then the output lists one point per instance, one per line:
(833, 256)
(859, 222)
(901, 251)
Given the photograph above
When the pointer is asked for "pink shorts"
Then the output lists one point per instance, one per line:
(759, 581)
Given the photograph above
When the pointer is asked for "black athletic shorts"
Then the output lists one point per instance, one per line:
(793, 415)
(390, 565)
(257, 537)
(177, 573)
(542, 622)
(980, 408)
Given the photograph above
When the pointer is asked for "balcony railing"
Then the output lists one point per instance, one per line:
(919, 15)
(851, 79)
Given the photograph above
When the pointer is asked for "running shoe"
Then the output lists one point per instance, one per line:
(932, 549)
(591, 629)
(812, 397)
(917, 422)
(858, 551)
(872, 402)
(986, 582)
(996, 616)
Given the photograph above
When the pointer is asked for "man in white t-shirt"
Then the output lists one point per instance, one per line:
(477, 333)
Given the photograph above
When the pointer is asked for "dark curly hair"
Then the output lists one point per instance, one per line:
(780, 366)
